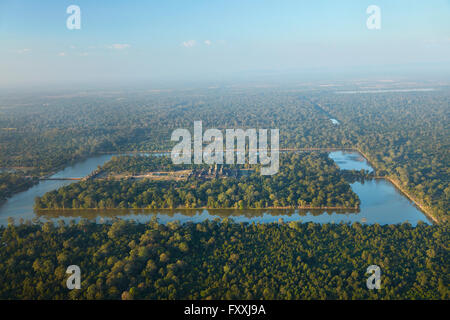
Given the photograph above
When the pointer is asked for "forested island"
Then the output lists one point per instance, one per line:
(305, 180)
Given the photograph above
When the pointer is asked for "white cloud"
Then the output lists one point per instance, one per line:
(84, 54)
(62, 54)
(208, 42)
(22, 51)
(189, 43)
(120, 46)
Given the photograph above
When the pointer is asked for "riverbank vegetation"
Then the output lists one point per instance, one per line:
(11, 183)
(405, 137)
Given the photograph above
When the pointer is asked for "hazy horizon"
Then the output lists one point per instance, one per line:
(221, 41)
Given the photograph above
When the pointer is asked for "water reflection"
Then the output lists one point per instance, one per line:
(193, 215)
(223, 213)
(350, 161)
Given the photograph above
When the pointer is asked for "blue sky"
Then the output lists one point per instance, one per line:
(126, 41)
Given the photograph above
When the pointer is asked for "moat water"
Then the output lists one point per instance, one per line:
(381, 202)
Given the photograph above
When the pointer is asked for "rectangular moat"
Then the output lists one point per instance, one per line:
(381, 202)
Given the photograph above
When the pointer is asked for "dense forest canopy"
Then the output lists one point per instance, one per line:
(224, 260)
